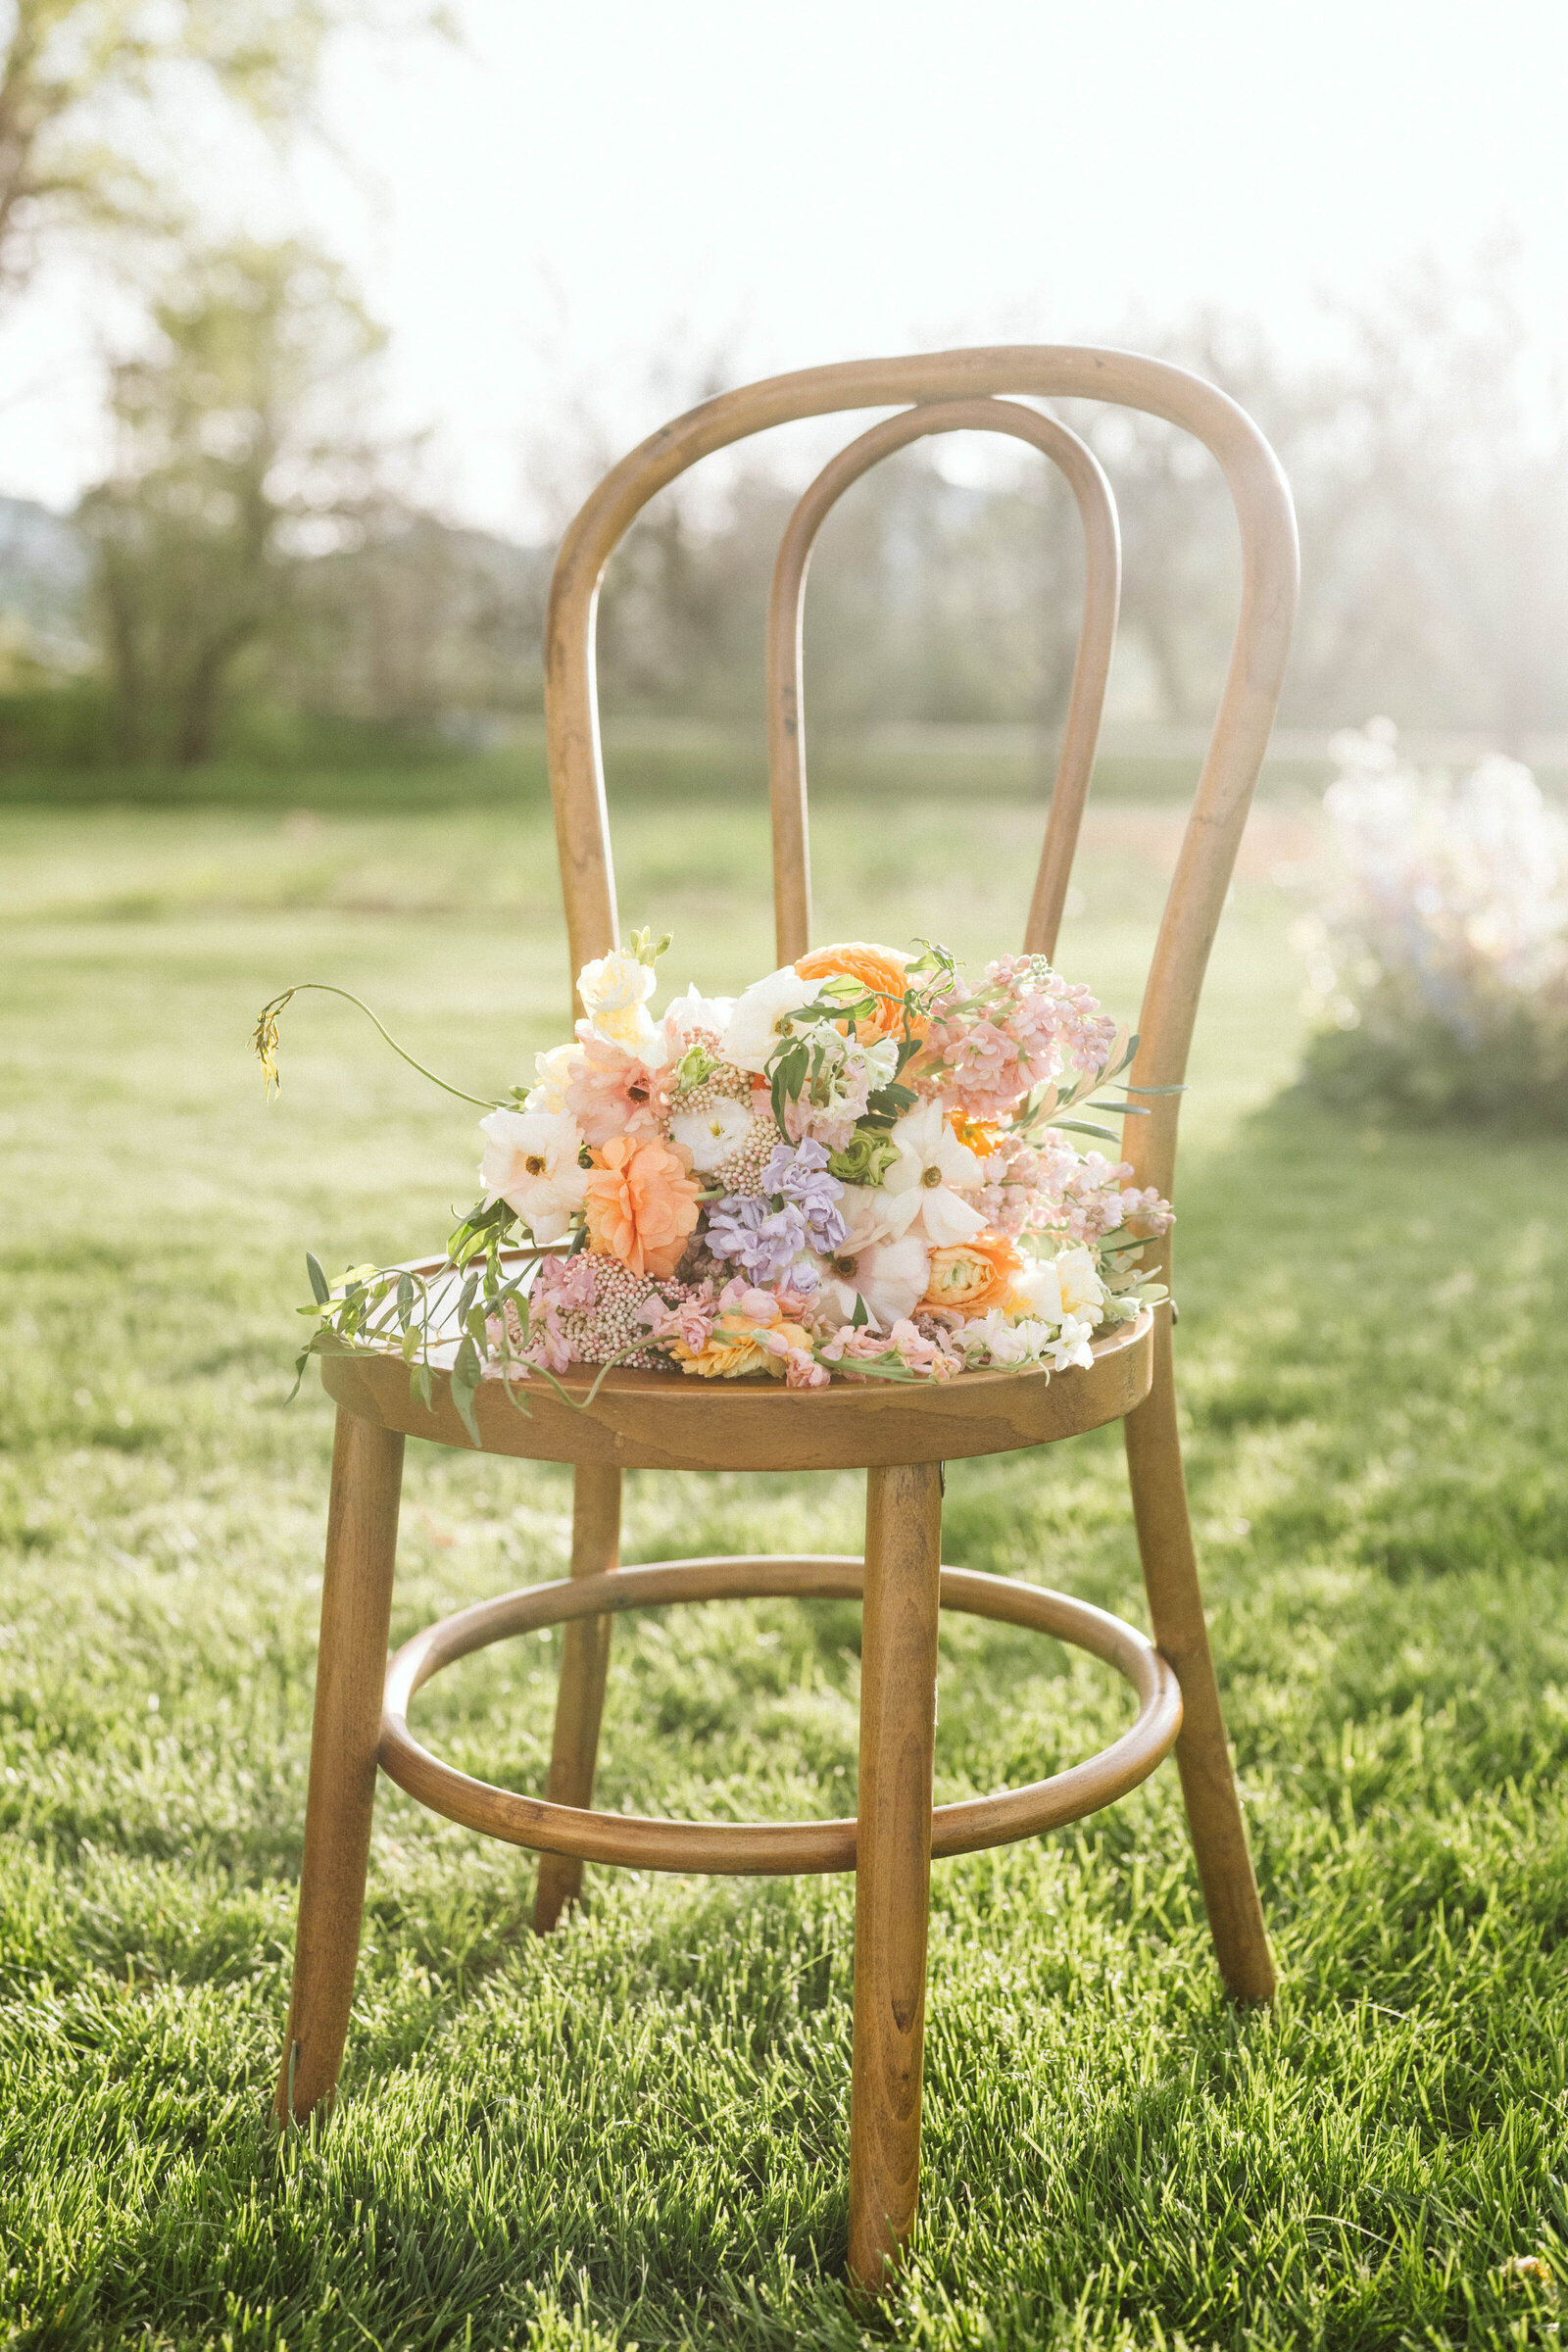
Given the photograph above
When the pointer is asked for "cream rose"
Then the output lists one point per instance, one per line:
(614, 990)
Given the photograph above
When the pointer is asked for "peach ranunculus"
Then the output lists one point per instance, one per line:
(750, 1334)
(880, 973)
(641, 1203)
(972, 1277)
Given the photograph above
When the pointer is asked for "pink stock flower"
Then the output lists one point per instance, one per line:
(988, 1048)
(803, 1371)
(689, 1320)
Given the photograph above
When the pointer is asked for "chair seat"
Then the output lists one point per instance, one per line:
(670, 1421)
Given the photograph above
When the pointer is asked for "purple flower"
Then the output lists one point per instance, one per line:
(763, 1240)
(798, 1176)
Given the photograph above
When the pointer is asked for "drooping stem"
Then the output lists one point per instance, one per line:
(265, 1041)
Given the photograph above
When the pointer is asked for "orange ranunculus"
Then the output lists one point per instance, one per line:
(981, 1136)
(641, 1203)
(971, 1277)
(880, 973)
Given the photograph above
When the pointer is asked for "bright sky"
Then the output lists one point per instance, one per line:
(584, 189)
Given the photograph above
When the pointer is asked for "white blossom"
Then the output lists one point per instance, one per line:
(530, 1162)
(933, 1168)
(761, 1017)
(614, 990)
(711, 1136)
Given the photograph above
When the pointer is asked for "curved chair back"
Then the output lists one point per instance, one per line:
(948, 392)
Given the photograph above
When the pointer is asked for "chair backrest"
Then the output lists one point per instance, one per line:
(948, 392)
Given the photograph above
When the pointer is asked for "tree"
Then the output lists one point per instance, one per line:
(234, 463)
(90, 91)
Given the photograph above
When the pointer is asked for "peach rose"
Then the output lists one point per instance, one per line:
(641, 1203)
(972, 1277)
(880, 973)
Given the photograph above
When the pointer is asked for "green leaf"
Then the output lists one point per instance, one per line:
(859, 1318)
(318, 1282)
(405, 1299)
(1086, 1127)
(467, 1374)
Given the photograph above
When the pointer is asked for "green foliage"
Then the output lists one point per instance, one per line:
(636, 2132)
(58, 745)
(228, 434)
(96, 97)
(1428, 1074)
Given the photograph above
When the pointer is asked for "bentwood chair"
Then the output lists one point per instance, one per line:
(900, 1435)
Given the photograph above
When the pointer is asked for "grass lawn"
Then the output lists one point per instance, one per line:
(636, 2132)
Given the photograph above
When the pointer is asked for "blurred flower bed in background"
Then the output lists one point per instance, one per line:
(1439, 967)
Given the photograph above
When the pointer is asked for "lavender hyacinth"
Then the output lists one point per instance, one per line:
(797, 1175)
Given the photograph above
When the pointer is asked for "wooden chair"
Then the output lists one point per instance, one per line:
(900, 1435)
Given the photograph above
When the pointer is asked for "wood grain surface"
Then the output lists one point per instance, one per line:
(666, 1421)
(893, 1859)
(362, 1537)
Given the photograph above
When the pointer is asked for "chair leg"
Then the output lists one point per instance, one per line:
(893, 1860)
(580, 1698)
(1203, 1756)
(362, 1537)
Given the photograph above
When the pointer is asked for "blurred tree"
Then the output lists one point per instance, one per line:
(236, 463)
(93, 93)
(1429, 459)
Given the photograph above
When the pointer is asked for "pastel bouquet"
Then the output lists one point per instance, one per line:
(866, 1166)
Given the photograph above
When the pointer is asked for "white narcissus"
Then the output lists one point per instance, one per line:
(711, 1136)
(530, 1162)
(761, 1017)
(934, 1166)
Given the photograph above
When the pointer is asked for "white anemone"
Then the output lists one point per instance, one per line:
(530, 1162)
(761, 1017)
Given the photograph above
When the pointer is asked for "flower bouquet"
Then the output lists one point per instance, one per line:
(864, 1168)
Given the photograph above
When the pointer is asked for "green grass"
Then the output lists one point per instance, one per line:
(636, 2133)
